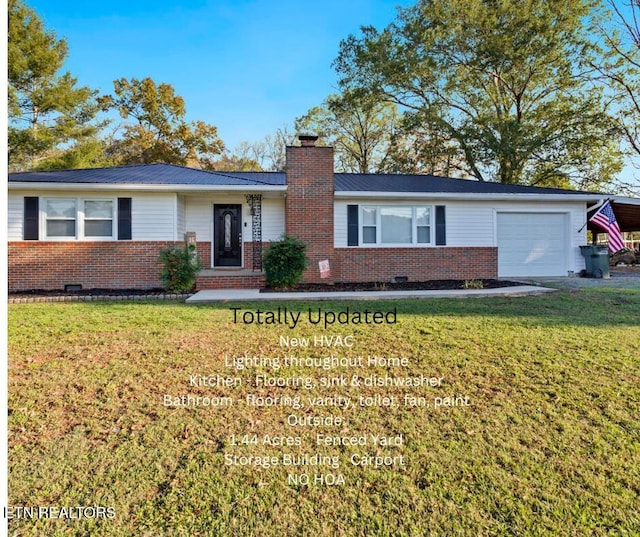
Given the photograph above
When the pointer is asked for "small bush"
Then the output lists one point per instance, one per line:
(181, 267)
(473, 284)
(284, 262)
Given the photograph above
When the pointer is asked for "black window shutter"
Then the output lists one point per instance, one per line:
(31, 217)
(441, 227)
(352, 225)
(124, 219)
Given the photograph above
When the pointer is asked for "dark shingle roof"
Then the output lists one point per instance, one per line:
(168, 174)
(354, 182)
(152, 174)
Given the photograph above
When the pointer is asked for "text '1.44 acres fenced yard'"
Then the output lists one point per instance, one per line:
(492, 416)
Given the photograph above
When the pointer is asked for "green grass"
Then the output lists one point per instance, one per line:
(549, 445)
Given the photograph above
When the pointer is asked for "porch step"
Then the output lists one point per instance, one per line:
(229, 279)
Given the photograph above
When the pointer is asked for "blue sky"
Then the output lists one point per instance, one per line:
(248, 67)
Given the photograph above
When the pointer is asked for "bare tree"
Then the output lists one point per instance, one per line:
(621, 67)
(267, 154)
(274, 146)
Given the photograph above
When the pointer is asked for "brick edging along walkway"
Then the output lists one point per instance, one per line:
(97, 298)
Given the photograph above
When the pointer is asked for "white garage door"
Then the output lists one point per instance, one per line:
(532, 244)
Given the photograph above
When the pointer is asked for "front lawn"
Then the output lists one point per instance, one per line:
(536, 430)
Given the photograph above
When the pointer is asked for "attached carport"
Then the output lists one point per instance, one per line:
(627, 213)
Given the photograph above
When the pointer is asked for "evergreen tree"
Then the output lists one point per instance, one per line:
(48, 112)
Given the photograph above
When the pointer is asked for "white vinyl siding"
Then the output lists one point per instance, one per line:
(162, 216)
(153, 215)
(199, 217)
(470, 224)
(473, 223)
(272, 219)
(181, 217)
(15, 208)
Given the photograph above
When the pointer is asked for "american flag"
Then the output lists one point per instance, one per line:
(605, 219)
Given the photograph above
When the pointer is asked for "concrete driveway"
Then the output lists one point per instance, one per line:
(621, 278)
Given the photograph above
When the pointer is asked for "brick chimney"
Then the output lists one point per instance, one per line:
(309, 202)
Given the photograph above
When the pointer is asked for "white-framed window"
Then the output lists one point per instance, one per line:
(79, 218)
(396, 225)
(423, 216)
(98, 218)
(369, 225)
(61, 218)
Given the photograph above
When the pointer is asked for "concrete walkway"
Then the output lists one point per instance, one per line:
(224, 295)
(620, 278)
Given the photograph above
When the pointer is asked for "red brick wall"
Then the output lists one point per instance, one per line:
(122, 265)
(309, 203)
(230, 282)
(417, 264)
(112, 265)
(203, 250)
(309, 213)
(248, 254)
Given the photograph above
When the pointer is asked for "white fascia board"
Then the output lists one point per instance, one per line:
(625, 200)
(467, 196)
(16, 185)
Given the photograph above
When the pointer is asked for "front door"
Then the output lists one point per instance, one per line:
(227, 235)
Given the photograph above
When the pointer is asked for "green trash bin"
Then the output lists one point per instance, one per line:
(596, 259)
(586, 252)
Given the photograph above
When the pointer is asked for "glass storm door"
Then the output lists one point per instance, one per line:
(227, 235)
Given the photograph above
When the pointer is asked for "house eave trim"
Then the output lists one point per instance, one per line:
(129, 187)
(467, 196)
(627, 201)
